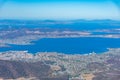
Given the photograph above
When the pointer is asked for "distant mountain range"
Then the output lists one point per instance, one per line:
(72, 24)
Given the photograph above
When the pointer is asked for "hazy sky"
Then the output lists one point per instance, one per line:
(60, 9)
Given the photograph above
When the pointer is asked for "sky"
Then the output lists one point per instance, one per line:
(60, 9)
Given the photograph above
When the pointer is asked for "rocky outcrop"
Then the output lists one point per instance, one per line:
(18, 69)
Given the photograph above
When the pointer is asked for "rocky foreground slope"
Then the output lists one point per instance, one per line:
(21, 65)
(24, 70)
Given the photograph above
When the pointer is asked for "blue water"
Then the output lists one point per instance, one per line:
(68, 45)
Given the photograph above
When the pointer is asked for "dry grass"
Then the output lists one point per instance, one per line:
(88, 76)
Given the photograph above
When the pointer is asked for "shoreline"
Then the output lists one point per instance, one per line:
(58, 53)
